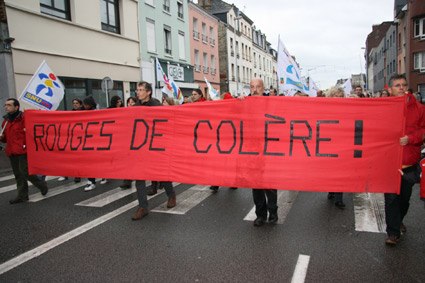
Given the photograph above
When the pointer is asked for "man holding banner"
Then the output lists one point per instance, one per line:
(13, 134)
(397, 205)
(264, 199)
(144, 94)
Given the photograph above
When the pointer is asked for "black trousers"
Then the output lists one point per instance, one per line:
(396, 206)
(265, 200)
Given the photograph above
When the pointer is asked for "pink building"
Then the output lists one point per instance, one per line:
(204, 48)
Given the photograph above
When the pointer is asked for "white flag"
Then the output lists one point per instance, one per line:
(289, 75)
(347, 87)
(211, 91)
(170, 88)
(44, 91)
(313, 88)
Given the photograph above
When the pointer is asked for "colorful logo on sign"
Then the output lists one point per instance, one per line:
(49, 82)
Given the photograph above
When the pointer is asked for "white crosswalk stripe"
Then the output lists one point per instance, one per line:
(186, 200)
(13, 186)
(285, 200)
(8, 177)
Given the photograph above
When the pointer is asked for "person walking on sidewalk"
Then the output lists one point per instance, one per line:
(144, 95)
(13, 134)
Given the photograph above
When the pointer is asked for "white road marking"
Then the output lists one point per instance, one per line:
(7, 177)
(285, 199)
(13, 186)
(300, 271)
(369, 212)
(16, 261)
(186, 200)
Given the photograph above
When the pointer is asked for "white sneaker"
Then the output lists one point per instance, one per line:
(90, 186)
(62, 179)
(103, 181)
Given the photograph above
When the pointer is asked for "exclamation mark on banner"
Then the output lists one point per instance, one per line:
(358, 137)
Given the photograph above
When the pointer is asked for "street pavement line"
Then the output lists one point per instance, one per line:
(300, 271)
(13, 186)
(109, 197)
(16, 261)
(369, 212)
(186, 200)
(285, 199)
(7, 177)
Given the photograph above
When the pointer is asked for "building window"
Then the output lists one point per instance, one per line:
(57, 8)
(195, 29)
(204, 33)
(167, 40)
(205, 63)
(180, 10)
(212, 40)
(419, 61)
(197, 63)
(150, 32)
(182, 49)
(109, 15)
(213, 71)
(419, 28)
(166, 5)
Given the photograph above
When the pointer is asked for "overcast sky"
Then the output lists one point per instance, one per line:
(325, 36)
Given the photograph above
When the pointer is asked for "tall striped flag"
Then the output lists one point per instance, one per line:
(170, 87)
(211, 91)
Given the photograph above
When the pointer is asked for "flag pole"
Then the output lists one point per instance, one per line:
(2, 130)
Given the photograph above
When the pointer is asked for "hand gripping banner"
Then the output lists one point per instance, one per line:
(288, 143)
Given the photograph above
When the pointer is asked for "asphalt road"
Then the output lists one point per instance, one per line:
(76, 236)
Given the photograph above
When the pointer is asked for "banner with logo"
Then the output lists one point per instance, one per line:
(288, 143)
(44, 91)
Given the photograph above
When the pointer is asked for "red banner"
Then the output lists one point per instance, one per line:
(289, 143)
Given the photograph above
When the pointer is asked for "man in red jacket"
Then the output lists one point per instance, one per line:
(397, 205)
(13, 134)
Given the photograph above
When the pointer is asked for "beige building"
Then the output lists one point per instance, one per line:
(82, 43)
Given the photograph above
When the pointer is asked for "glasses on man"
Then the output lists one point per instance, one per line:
(141, 89)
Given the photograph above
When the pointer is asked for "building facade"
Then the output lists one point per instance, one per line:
(204, 47)
(81, 41)
(165, 34)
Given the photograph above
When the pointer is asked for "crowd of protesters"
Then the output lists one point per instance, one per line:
(265, 200)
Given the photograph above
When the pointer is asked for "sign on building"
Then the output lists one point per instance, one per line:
(176, 72)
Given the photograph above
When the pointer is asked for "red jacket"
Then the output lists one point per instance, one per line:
(415, 130)
(14, 135)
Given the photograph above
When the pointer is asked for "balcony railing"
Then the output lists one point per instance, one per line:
(206, 70)
(237, 55)
(204, 38)
(166, 8)
(180, 15)
(195, 35)
(212, 41)
(168, 51)
(212, 71)
(197, 67)
(232, 53)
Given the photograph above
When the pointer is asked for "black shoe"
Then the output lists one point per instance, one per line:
(273, 218)
(234, 188)
(259, 221)
(77, 179)
(124, 186)
(331, 195)
(44, 190)
(18, 200)
(214, 188)
(340, 204)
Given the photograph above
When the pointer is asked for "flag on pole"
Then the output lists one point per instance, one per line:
(313, 88)
(347, 87)
(288, 72)
(170, 87)
(211, 91)
(44, 91)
